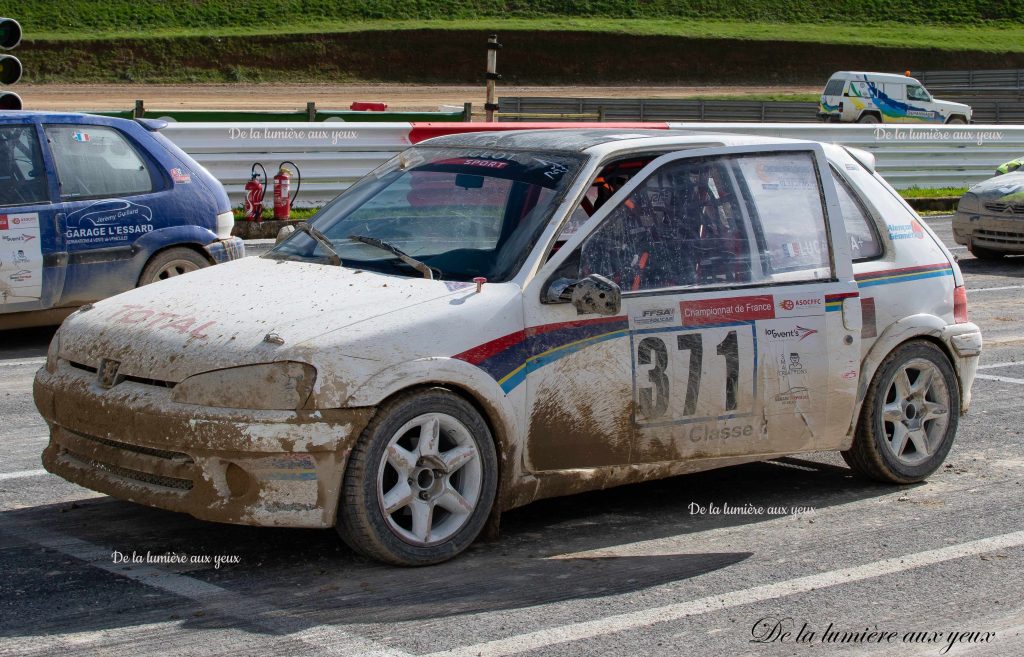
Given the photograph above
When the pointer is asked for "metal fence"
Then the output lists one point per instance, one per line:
(1011, 78)
(667, 109)
(333, 156)
(989, 107)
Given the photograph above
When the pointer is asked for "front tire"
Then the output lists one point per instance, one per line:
(909, 417)
(956, 120)
(421, 481)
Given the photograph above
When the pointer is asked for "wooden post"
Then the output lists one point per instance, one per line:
(311, 111)
(491, 106)
(467, 112)
(140, 110)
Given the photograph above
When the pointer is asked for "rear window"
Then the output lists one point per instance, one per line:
(834, 88)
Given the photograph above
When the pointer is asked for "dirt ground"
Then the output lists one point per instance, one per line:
(332, 96)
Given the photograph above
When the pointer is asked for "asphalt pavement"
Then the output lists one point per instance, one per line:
(836, 565)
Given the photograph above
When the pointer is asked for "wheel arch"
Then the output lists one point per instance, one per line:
(467, 381)
(915, 327)
(191, 246)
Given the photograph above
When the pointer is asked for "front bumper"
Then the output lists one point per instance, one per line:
(226, 250)
(270, 468)
(990, 232)
(965, 342)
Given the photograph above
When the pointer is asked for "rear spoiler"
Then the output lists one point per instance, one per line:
(153, 125)
(864, 158)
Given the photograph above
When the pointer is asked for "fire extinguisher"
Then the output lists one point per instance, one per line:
(282, 193)
(254, 193)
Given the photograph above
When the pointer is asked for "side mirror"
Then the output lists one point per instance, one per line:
(594, 294)
(283, 234)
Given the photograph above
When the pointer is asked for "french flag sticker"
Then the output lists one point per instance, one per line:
(81, 136)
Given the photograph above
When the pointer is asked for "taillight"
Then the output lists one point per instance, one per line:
(960, 304)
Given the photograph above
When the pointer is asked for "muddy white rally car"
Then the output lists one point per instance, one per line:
(493, 318)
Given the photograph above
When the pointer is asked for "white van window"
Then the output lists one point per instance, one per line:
(858, 89)
(834, 87)
(864, 242)
(915, 92)
(96, 162)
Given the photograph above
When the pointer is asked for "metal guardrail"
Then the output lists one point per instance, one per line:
(662, 109)
(1012, 78)
(990, 106)
(333, 156)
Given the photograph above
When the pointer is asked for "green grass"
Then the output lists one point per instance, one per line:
(298, 214)
(1003, 37)
(937, 192)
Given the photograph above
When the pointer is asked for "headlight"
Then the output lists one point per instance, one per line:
(51, 353)
(968, 204)
(225, 222)
(283, 386)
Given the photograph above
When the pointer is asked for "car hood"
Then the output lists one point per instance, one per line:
(1007, 187)
(253, 310)
(950, 105)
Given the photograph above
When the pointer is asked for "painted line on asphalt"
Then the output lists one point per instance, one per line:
(641, 619)
(973, 290)
(321, 639)
(20, 474)
(1005, 363)
(1000, 379)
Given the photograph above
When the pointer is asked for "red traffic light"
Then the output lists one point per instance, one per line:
(9, 101)
(10, 33)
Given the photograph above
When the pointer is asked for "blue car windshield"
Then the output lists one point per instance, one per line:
(463, 212)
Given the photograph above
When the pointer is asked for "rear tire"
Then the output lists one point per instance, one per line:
(909, 417)
(981, 253)
(170, 263)
(421, 481)
(868, 118)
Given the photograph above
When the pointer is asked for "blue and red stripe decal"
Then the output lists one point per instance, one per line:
(834, 302)
(510, 358)
(887, 276)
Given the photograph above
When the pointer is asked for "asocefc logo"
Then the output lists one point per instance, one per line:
(800, 306)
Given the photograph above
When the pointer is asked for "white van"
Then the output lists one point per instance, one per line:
(857, 97)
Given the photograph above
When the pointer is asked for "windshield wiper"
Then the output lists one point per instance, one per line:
(325, 242)
(402, 255)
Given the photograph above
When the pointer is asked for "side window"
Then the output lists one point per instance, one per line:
(22, 173)
(788, 209)
(915, 92)
(864, 242)
(858, 89)
(685, 225)
(95, 162)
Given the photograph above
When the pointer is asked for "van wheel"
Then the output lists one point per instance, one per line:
(420, 483)
(982, 253)
(909, 417)
(172, 262)
(958, 120)
(868, 118)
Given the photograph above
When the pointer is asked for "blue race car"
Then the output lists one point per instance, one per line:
(92, 206)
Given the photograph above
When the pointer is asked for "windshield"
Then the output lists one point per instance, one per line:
(462, 212)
